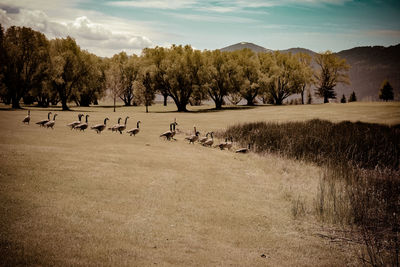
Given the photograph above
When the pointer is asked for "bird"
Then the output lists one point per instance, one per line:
(50, 124)
(73, 124)
(226, 144)
(100, 127)
(204, 138)
(27, 119)
(194, 137)
(170, 134)
(122, 127)
(209, 141)
(115, 126)
(43, 122)
(243, 150)
(82, 126)
(134, 131)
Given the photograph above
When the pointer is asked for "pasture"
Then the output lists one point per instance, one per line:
(81, 198)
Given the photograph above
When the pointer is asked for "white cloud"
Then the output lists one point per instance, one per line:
(99, 38)
(159, 4)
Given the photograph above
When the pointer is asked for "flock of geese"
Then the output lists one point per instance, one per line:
(207, 140)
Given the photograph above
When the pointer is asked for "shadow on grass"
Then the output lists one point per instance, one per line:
(209, 109)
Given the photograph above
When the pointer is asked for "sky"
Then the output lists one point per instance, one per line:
(107, 27)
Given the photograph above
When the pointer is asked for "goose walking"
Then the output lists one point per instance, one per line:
(243, 150)
(226, 144)
(27, 119)
(209, 141)
(122, 127)
(79, 121)
(171, 133)
(114, 128)
(82, 126)
(134, 131)
(204, 138)
(193, 138)
(100, 127)
(43, 122)
(50, 124)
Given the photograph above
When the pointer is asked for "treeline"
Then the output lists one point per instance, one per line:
(42, 71)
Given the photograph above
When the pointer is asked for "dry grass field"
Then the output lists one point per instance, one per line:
(81, 198)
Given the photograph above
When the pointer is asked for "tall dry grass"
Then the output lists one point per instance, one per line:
(361, 182)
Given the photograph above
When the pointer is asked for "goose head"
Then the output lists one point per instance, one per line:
(48, 115)
(137, 124)
(105, 120)
(54, 118)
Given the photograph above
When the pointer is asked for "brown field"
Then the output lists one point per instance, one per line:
(81, 198)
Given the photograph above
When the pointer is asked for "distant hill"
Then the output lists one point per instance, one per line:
(370, 65)
(243, 45)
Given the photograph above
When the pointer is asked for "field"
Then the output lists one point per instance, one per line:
(81, 198)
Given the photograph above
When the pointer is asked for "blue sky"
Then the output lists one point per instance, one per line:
(106, 27)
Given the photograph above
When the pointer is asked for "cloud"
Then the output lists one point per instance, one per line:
(95, 37)
(158, 4)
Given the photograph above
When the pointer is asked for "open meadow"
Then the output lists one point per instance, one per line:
(81, 198)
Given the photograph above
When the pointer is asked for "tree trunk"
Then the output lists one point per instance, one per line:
(15, 103)
(147, 108)
(218, 104)
(64, 104)
(114, 102)
(250, 101)
(302, 97)
(181, 107)
(165, 99)
(326, 100)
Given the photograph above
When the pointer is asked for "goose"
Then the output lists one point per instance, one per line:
(73, 124)
(122, 127)
(209, 141)
(204, 138)
(115, 126)
(50, 124)
(170, 134)
(226, 144)
(27, 119)
(43, 122)
(82, 126)
(100, 127)
(134, 131)
(243, 150)
(193, 138)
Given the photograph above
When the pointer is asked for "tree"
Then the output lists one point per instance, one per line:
(177, 73)
(215, 75)
(333, 70)
(281, 75)
(343, 99)
(247, 74)
(113, 80)
(305, 75)
(386, 91)
(69, 68)
(25, 55)
(144, 87)
(156, 56)
(353, 97)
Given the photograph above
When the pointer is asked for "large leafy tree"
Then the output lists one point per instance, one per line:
(281, 75)
(386, 91)
(26, 61)
(157, 56)
(176, 72)
(247, 76)
(305, 74)
(216, 75)
(69, 68)
(332, 71)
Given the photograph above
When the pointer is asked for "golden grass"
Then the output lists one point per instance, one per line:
(81, 198)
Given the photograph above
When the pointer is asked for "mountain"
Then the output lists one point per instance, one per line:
(243, 45)
(370, 65)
